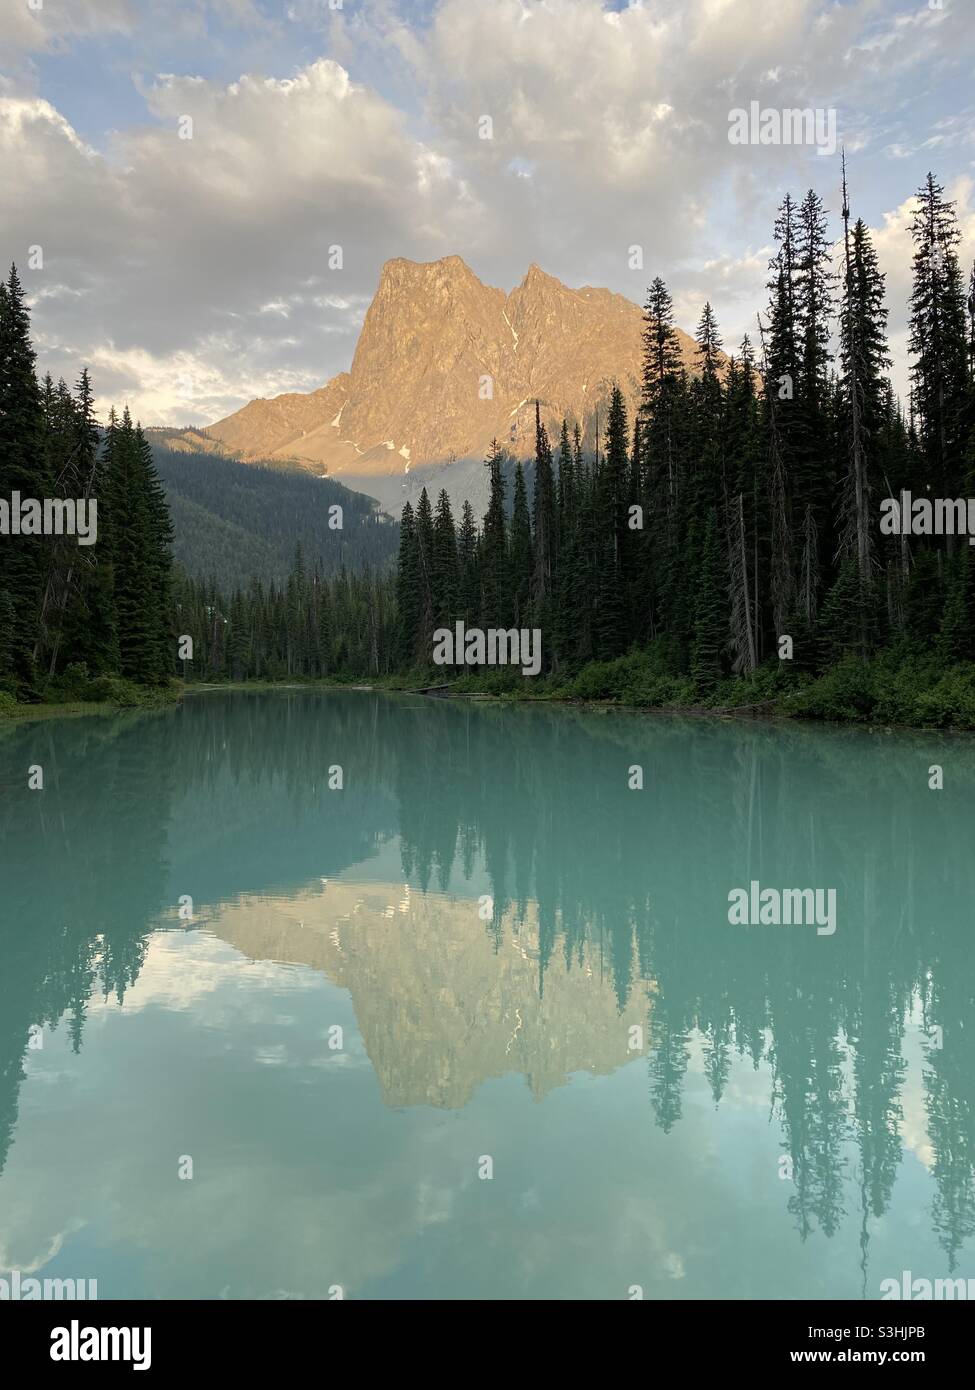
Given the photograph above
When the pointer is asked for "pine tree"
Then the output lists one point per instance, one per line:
(813, 472)
(159, 561)
(445, 572)
(956, 640)
(83, 619)
(864, 357)
(469, 598)
(407, 592)
(543, 522)
(840, 619)
(424, 552)
(24, 469)
(495, 573)
(521, 551)
(661, 374)
(663, 402)
(710, 612)
(939, 372)
(747, 515)
(132, 543)
(610, 503)
(566, 483)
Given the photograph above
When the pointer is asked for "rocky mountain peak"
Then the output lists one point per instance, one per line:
(443, 365)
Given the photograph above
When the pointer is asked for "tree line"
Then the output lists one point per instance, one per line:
(235, 520)
(67, 611)
(741, 506)
(742, 503)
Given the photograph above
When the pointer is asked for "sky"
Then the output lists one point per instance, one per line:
(187, 262)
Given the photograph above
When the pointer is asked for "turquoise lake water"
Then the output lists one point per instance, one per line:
(474, 1023)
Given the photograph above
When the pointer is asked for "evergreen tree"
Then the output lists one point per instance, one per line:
(88, 628)
(24, 470)
(543, 522)
(158, 560)
(132, 547)
(521, 551)
(956, 640)
(566, 483)
(424, 551)
(408, 601)
(495, 573)
(710, 612)
(468, 561)
(840, 619)
(662, 403)
(445, 576)
(939, 372)
(610, 503)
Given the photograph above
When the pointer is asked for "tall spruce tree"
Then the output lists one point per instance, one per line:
(521, 551)
(710, 611)
(446, 575)
(408, 601)
(544, 527)
(611, 486)
(939, 372)
(495, 572)
(25, 473)
(864, 360)
(661, 406)
(159, 561)
(469, 600)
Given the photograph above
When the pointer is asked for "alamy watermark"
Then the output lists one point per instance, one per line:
(16, 1289)
(756, 906)
(54, 516)
(926, 1290)
(789, 126)
(497, 646)
(928, 516)
(77, 1343)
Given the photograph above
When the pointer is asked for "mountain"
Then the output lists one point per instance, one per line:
(443, 365)
(441, 1009)
(235, 520)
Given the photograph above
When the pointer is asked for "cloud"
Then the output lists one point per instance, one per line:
(174, 246)
(56, 25)
(209, 256)
(32, 28)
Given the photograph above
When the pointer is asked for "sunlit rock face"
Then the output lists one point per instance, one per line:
(445, 1000)
(444, 364)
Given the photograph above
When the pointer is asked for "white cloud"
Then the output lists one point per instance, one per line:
(184, 246)
(54, 25)
(609, 129)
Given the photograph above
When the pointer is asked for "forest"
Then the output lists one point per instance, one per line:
(234, 520)
(723, 549)
(93, 620)
(741, 506)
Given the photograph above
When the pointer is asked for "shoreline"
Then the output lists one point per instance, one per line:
(765, 712)
(144, 699)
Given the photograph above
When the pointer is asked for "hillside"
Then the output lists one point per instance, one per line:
(235, 520)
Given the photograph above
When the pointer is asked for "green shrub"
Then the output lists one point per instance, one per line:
(75, 680)
(950, 702)
(114, 690)
(846, 691)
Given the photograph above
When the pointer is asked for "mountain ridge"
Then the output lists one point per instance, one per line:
(444, 364)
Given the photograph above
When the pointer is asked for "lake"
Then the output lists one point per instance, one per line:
(339, 994)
